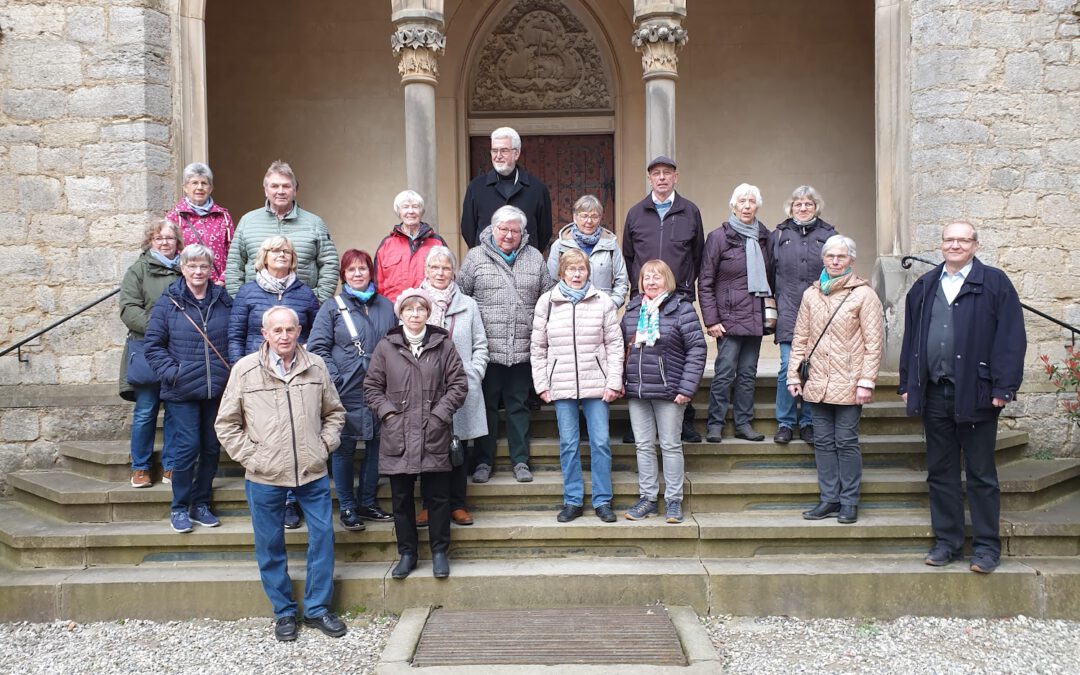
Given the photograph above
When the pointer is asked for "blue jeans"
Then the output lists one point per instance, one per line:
(189, 431)
(144, 427)
(267, 505)
(596, 420)
(786, 404)
(341, 463)
(736, 362)
(836, 452)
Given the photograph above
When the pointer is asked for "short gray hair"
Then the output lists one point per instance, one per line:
(194, 251)
(441, 252)
(408, 196)
(509, 213)
(198, 169)
(839, 240)
(280, 308)
(588, 203)
(805, 191)
(745, 189)
(507, 132)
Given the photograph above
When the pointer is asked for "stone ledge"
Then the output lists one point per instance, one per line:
(60, 395)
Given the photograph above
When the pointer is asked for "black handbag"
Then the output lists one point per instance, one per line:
(804, 365)
(457, 452)
(139, 373)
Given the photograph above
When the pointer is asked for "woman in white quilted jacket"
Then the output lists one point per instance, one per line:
(577, 364)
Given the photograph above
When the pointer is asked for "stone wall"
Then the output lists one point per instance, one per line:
(995, 101)
(85, 160)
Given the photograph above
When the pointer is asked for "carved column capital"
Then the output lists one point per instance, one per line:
(418, 47)
(658, 42)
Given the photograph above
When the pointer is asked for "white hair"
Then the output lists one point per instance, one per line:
(836, 241)
(509, 214)
(745, 189)
(405, 197)
(193, 251)
(280, 308)
(198, 169)
(507, 132)
(441, 252)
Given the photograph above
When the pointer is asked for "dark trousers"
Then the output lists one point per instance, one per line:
(946, 442)
(510, 384)
(189, 431)
(836, 452)
(435, 486)
(459, 478)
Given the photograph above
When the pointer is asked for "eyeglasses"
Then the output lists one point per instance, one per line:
(590, 217)
(508, 231)
(958, 241)
(804, 205)
(163, 240)
(836, 256)
(197, 268)
(496, 152)
(577, 270)
(278, 251)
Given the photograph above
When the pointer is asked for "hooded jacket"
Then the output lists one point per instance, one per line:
(143, 284)
(577, 350)
(675, 364)
(506, 295)
(796, 255)
(849, 354)
(280, 430)
(399, 260)
(416, 399)
(607, 266)
(215, 231)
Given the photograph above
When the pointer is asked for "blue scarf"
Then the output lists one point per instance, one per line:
(648, 322)
(574, 296)
(363, 296)
(201, 210)
(586, 242)
(827, 282)
(171, 264)
(509, 258)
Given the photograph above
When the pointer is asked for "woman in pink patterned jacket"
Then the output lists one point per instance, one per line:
(203, 221)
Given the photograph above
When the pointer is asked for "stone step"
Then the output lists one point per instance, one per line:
(1025, 484)
(110, 460)
(29, 539)
(882, 587)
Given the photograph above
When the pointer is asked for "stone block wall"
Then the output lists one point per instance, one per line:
(995, 107)
(85, 161)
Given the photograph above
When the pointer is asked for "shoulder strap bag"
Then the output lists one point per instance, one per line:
(205, 339)
(804, 365)
(350, 326)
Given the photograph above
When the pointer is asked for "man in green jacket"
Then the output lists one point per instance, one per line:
(316, 255)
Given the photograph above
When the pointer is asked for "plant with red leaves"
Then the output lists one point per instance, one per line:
(1066, 377)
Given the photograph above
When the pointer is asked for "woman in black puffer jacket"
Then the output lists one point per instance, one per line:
(665, 362)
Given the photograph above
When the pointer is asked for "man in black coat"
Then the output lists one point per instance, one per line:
(962, 360)
(506, 183)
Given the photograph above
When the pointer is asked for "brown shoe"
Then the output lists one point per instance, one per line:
(422, 518)
(166, 477)
(140, 479)
(461, 517)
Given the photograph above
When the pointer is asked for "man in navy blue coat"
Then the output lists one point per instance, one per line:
(962, 360)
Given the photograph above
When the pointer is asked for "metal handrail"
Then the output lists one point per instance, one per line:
(907, 260)
(17, 347)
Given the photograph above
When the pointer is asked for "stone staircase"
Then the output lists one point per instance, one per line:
(78, 542)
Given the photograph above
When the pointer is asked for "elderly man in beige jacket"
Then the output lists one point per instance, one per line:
(280, 417)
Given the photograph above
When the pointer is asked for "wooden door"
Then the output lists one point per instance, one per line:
(570, 166)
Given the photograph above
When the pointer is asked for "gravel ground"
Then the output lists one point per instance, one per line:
(905, 645)
(198, 647)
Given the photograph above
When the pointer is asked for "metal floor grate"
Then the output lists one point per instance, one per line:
(590, 635)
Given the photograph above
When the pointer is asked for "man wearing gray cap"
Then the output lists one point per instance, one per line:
(666, 226)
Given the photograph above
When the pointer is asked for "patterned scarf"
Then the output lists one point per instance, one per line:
(648, 321)
(363, 296)
(574, 296)
(828, 282)
(272, 284)
(586, 242)
(441, 302)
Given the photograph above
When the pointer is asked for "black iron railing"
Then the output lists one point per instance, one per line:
(17, 347)
(907, 260)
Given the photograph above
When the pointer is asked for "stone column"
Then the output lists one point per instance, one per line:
(417, 41)
(658, 35)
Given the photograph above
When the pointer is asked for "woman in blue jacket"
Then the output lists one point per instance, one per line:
(186, 343)
(664, 364)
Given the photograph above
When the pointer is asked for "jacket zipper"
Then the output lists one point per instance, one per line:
(292, 428)
(573, 334)
(663, 375)
(640, 358)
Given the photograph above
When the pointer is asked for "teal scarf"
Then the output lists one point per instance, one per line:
(509, 258)
(363, 296)
(827, 282)
(648, 321)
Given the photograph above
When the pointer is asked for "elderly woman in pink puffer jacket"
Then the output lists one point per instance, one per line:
(577, 362)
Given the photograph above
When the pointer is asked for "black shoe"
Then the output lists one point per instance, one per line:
(293, 516)
(821, 511)
(285, 629)
(328, 623)
(807, 434)
(714, 435)
(440, 565)
(628, 437)
(604, 513)
(849, 513)
(406, 565)
(983, 563)
(372, 513)
(689, 433)
(783, 436)
(569, 512)
(747, 433)
(350, 520)
(940, 556)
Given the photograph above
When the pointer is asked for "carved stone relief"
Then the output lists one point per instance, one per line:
(540, 57)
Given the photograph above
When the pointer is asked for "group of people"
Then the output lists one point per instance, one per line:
(242, 334)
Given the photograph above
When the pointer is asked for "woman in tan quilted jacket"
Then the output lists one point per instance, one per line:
(577, 362)
(839, 330)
